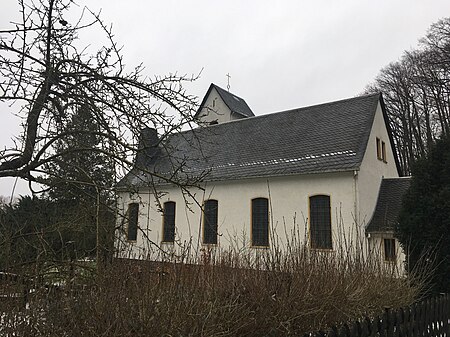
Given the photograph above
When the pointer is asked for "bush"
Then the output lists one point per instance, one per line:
(276, 294)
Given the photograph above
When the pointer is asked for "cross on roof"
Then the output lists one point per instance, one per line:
(228, 85)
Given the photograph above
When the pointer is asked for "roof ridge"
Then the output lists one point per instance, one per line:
(280, 112)
(326, 103)
(266, 115)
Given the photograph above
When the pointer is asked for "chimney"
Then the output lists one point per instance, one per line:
(147, 147)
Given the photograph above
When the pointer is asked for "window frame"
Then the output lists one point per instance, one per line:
(379, 149)
(315, 239)
(206, 210)
(132, 221)
(264, 241)
(168, 233)
(389, 250)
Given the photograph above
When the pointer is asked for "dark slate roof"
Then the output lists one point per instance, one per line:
(328, 137)
(389, 203)
(235, 103)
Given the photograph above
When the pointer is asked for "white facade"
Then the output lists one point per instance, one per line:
(288, 196)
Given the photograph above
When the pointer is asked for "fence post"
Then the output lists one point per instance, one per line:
(356, 329)
(387, 322)
(365, 327)
(344, 331)
(333, 332)
(446, 313)
(429, 318)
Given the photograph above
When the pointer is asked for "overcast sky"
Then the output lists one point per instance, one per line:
(280, 54)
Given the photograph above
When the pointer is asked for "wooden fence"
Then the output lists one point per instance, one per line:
(429, 318)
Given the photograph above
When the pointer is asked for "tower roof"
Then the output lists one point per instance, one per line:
(235, 103)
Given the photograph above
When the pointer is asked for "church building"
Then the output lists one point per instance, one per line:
(323, 176)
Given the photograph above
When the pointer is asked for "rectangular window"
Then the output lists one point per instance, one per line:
(379, 149)
(320, 222)
(210, 222)
(260, 222)
(389, 250)
(133, 214)
(169, 222)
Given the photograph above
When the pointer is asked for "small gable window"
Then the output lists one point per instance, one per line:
(169, 222)
(210, 222)
(320, 222)
(389, 250)
(133, 214)
(381, 150)
(260, 222)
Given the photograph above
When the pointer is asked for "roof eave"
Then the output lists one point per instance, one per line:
(391, 138)
(225, 179)
(202, 104)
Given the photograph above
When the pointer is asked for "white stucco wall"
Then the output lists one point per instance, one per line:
(372, 169)
(369, 178)
(376, 244)
(289, 210)
(215, 109)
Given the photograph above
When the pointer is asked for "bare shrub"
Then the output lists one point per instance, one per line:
(237, 294)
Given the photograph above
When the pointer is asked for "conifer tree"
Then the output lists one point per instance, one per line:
(424, 223)
(80, 183)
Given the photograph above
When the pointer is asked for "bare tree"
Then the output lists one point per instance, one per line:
(417, 92)
(48, 75)
(45, 69)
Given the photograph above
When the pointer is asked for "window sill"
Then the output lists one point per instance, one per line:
(260, 247)
(325, 250)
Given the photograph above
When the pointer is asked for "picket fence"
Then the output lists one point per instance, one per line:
(429, 318)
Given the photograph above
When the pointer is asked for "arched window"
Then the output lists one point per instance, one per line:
(169, 222)
(260, 222)
(320, 222)
(210, 222)
(133, 215)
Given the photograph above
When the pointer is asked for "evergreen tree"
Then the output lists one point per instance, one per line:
(424, 223)
(30, 233)
(80, 184)
(82, 172)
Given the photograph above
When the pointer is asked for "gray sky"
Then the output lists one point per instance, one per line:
(280, 55)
